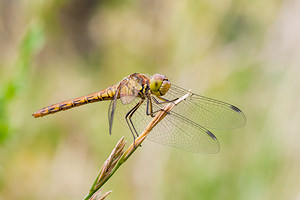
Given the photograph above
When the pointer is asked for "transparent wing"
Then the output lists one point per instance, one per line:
(177, 131)
(174, 130)
(207, 112)
(127, 90)
(185, 126)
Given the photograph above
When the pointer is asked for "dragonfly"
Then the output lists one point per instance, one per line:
(137, 98)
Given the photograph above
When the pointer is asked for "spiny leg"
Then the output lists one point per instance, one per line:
(131, 114)
(130, 123)
(163, 100)
(149, 106)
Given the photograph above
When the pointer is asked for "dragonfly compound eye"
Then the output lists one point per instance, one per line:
(159, 85)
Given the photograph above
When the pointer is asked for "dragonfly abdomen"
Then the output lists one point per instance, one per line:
(106, 94)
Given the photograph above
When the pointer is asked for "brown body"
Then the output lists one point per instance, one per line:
(102, 95)
(127, 85)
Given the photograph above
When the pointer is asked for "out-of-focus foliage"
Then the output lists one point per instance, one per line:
(31, 43)
(245, 53)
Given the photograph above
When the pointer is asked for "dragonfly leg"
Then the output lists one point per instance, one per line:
(149, 106)
(163, 100)
(129, 121)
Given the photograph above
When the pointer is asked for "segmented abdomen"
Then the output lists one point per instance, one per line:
(106, 94)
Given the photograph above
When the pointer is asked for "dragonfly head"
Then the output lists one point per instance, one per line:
(159, 84)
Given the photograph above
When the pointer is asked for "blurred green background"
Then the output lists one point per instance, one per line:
(241, 52)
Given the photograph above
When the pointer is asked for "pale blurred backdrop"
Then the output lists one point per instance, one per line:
(243, 52)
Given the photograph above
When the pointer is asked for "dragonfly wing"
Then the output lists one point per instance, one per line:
(129, 90)
(174, 130)
(112, 108)
(185, 127)
(126, 93)
(177, 131)
(207, 112)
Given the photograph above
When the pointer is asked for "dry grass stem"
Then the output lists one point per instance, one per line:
(98, 196)
(106, 169)
(160, 115)
(111, 161)
(118, 157)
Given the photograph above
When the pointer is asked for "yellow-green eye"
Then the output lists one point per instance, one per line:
(159, 85)
(155, 85)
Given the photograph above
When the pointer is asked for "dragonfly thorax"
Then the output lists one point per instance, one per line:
(159, 84)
